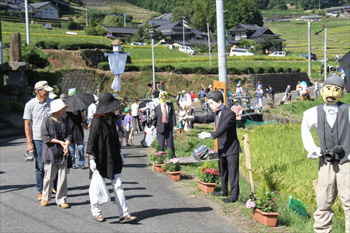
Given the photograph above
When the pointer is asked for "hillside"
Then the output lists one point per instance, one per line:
(137, 12)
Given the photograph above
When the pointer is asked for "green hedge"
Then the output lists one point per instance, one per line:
(70, 45)
(200, 70)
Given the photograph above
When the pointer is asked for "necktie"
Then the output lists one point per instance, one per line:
(164, 114)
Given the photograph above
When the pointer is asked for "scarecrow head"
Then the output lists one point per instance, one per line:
(332, 90)
(163, 96)
(215, 100)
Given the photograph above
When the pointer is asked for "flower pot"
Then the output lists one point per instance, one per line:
(268, 219)
(158, 167)
(206, 187)
(175, 176)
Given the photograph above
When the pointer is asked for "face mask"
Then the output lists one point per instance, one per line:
(331, 94)
(214, 106)
(163, 97)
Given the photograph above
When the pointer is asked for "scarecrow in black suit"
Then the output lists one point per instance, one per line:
(165, 121)
(228, 144)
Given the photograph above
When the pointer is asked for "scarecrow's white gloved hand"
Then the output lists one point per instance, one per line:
(204, 135)
(92, 165)
(314, 153)
(188, 118)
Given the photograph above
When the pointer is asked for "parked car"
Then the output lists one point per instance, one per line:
(313, 56)
(240, 52)
(138, 43)
(187, 49)
(278, 54)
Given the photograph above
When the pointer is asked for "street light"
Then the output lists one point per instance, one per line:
(309, 18)
(153, 68)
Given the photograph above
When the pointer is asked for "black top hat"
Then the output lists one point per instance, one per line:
(107, 103)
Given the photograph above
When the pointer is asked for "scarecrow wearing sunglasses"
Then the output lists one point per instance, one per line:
(332, 123)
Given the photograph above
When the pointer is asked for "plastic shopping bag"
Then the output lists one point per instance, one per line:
(98, 191)
(298, 206)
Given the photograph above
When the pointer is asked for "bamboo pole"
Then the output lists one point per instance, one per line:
(248, 162)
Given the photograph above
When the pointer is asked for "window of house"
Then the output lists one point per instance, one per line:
(237, 36)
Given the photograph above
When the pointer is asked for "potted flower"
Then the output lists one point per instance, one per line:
(207, 179)
(157, 159)
(264, 208)
(173, 167)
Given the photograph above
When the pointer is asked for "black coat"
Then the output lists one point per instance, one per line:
(226, 133)
(157, 122)
(103, 143)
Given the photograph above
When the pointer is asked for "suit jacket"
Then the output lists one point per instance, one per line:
(226, 133)
(157, 121)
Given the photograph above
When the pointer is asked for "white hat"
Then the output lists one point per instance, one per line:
(209, 86)
(57, 105)
(52, 95)
(42, 85)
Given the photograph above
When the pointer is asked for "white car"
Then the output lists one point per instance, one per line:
(138, 43)
(278, 54)
(187, 49)
(240, 52)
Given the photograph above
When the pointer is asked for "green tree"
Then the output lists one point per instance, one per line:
(277, 4)
(113, 20)
(309, 4)
(242, 11)
(200, 17)
(262, 4)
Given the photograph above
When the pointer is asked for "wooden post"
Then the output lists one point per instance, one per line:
(248, 162)
(217, 85)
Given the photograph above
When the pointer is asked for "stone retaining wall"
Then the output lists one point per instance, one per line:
(280, 80)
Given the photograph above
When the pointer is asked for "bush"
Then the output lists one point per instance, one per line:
(289, 70)
(279, 70)
(47, 44)
(146, 68)
(260, 70)
(130, 68)
(270, 70)
(103, 65)
(233, 70)
(213, 70)
(35, 56)
(199, 70)
(167, 68)
(183, 70)
(297, 70)
(248, 70)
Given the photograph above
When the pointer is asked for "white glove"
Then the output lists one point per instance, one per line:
(92, 165)
(188, 118)
(314, 153)
(151, 130)
(204, 135)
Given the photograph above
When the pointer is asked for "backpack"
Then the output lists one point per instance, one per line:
(201, 152)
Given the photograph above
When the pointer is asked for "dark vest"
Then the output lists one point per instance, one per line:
(338, 135)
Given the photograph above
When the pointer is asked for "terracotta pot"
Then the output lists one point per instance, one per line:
(158, 167)
(268, 219)
(206, 187)
(175, 176)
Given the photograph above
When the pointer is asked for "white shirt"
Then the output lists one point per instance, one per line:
(134, 109)
(310, 120)
(239, 90)
(91, 111)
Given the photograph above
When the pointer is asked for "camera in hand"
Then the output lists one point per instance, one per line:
(29, 156)
(334, 154)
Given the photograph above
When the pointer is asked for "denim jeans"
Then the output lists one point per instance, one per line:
(39, 166)
(80, 146)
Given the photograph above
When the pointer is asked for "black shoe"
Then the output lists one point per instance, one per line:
(228, 200)
(219, 194)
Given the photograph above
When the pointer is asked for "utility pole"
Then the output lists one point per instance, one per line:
(309, 44)
(1, 54)
(183, 34)
(87, 19)
(27, 21)
(325, 54)
(124, 20)
(209, 43)
(221, 41)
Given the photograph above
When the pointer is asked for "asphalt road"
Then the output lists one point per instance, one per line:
(158, 202)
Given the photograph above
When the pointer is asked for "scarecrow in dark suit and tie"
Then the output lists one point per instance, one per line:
(228, 144)
(165, 121)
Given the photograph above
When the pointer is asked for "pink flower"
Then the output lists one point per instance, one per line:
(250, 204)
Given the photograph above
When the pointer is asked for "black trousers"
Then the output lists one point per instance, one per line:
(229, 168)
(168, 136)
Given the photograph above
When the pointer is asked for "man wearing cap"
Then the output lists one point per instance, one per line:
(332, 123)
(228, 144)
(35, 111)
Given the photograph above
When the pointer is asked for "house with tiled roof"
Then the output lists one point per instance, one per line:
(252, 32)
(44, 10)
(119, 32)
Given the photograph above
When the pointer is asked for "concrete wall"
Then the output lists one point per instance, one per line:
(279, 80)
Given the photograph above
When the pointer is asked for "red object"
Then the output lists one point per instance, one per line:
(193, 95)
(158, 167)
(164, 114)
(268, 219)
(175, 176)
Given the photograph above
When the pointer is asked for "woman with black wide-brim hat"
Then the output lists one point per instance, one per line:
(105, 155)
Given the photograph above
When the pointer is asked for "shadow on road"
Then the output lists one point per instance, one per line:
(11, 188)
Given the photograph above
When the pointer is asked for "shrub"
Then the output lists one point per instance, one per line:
(248, 70)
(279, 70)
(199, 70)
(297, 70)
(233, 70)
(35, 56)
(270, 70)
(289, 70)
(213, 70)
(167, 68)
(47, 44)
(183, 70)
(130, 68)
(146, 68)
(260, 70)
(103, 66)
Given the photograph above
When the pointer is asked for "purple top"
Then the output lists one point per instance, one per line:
(127, 120)
(120, 125)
